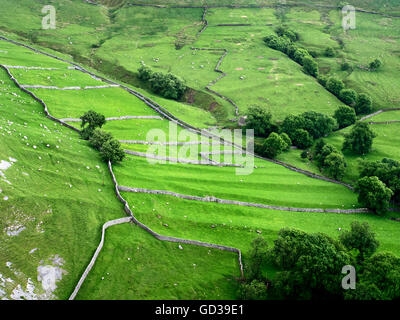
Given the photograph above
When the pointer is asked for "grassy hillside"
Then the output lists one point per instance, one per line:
(56, 188)
(56, 193)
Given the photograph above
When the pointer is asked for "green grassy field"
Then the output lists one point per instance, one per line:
(47, 197)
(58, 187)
(237, 226)
(134, 265)
(272, 184)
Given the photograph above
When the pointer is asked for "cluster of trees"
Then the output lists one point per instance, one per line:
(304, 128)
(362, 103)
(298, 130)
(285, 40)
(310, 267)
(166, 85)
(328, 159)
(379, 184)
(110, 149)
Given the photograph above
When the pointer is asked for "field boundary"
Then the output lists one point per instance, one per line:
(378, 112)
(240, 6)
(167, 238)
(46, 111)
(216, 69)
(181, 160)
(97, 252)
(240, 203)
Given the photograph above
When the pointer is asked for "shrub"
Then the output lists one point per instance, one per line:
(321, 153)
(348, 96)
(255, 290)
(260, 120)
(302, 139)
(90, 121)
(376, 64)
(167, 85)
(111, 151)
(346, 66)
(273, 145)
(291, 123)
(322, 79)
(373, 194)
(98, 138)
(345, 116)
(335, 165)
(361, 238)
(360, 139)
(300, 54)
(335, 85)
(310, 66)
(287, 140)
(318, 124)
(364, 104)
(145, 73)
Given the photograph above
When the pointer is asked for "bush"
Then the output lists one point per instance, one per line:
(322, 152)
(166, 85)
(373, 194)
(335, 165)
(255, 290)
(360, 139)
(361, 238)
(387, 170)
(346, 66)
(310, 264)
(318, 124)
(302, 139)
(335, 85)
(300, 54)
(90, 121)
(348, 96)
(111, 151)
(145, 73)
(364, 104)
(376, 64)
(261, 121)
(310, 66)
(273, 145)
(98, 138)
(287, 140)
(322, 80)
(285, 32)
(345, 116)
